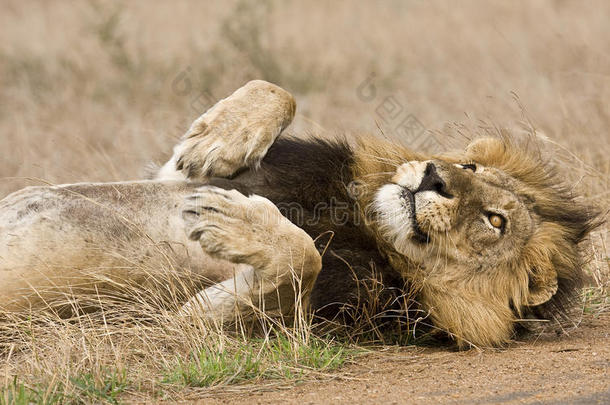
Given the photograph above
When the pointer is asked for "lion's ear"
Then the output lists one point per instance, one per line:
(485, 146)
(542, 286)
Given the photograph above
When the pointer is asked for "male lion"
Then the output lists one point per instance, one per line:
(485, 236)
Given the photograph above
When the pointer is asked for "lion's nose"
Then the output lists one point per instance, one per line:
(433, 182)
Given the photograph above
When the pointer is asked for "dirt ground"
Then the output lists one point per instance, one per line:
(569, 369)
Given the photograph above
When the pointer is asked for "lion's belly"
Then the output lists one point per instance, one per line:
(99, 237)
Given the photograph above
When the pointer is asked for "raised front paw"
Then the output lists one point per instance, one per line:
(235, 133)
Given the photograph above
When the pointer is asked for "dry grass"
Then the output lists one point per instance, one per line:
(129, 346)
(92, 91)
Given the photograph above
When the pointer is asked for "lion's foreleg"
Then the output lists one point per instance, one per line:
(223, 301)
(280, 259)
(232, 135)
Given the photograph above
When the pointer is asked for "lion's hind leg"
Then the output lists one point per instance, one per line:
(280, 261)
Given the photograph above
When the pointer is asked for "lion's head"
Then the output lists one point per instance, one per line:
(486, 235)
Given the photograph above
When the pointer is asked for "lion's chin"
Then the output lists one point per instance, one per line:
(396, 218)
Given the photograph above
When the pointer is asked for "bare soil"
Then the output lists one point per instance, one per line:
(548, 369)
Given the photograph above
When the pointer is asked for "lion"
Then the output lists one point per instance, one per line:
(484, 236)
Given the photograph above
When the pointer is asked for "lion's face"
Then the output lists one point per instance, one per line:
(485, 242)
(438, 213)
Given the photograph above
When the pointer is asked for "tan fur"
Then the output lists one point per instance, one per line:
(88, 238)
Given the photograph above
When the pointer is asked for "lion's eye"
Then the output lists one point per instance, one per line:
(469, 166)
(497, 221)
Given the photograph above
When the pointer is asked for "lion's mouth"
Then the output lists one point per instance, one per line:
(419, 235)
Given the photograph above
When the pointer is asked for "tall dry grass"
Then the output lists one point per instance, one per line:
(93, 91)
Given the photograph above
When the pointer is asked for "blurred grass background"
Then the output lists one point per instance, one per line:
(92, 91)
